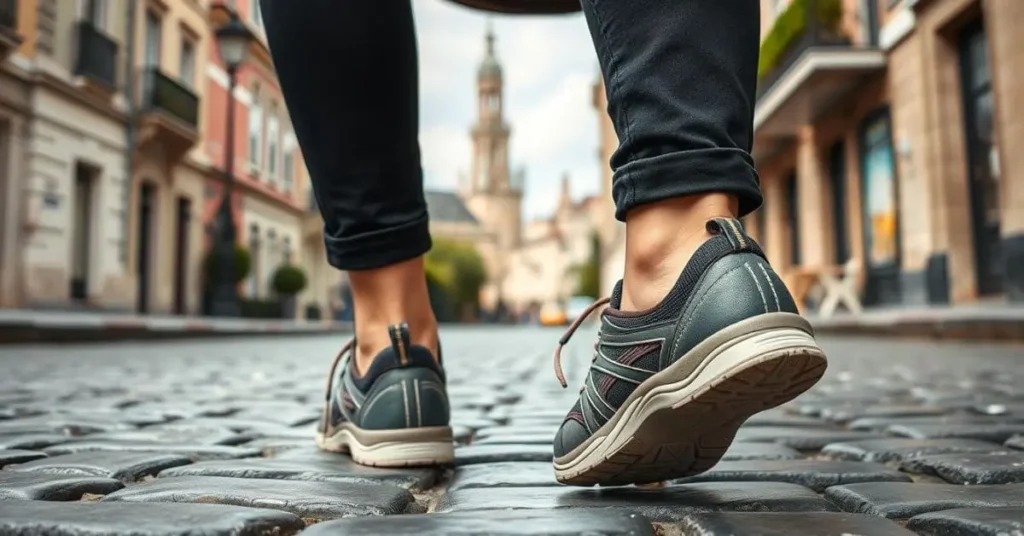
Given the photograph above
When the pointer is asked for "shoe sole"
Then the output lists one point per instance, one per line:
(676, 425)
(426, 446)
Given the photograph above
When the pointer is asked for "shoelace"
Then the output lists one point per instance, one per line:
(330, 380)
(568, 335)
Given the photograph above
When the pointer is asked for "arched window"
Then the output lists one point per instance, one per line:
(273, 142)
(255, 129)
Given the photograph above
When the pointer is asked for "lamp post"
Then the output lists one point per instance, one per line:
(233, 42)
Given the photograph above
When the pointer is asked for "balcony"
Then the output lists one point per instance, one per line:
(9, 38)
(807, 63)
(168, 115)
(97, 58)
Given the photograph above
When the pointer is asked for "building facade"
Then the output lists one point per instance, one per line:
(276, 215)
(66, 183)
(883, 135)
(883, 138)
(112, 138)
(169, 168)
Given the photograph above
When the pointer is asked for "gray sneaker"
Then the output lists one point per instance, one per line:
(670, 386)
(396, 414)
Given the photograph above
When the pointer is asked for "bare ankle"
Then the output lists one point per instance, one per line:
(390, 295)
(661, 238)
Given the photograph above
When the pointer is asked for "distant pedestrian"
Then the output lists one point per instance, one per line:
(700, 333)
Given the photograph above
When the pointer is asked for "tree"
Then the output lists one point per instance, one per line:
(457, 268)
(588, 274)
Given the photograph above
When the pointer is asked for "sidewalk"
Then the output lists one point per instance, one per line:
(988, 321)
(22, 326)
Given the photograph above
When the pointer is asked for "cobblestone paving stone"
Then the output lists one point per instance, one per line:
(215, 437)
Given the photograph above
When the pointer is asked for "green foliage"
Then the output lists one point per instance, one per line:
(789, 26)
(588, 274)
(289, 280)
(243, 263)
(456, 269)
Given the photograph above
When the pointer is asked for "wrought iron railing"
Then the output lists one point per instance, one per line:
(97, 55)
(805, 24)
(162, 93)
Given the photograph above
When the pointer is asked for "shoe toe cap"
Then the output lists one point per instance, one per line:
(569, 436)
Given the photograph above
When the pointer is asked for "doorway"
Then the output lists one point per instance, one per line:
(183, 220)
(879, 205)
(837, 180)
(147, 203)
(982, 167)
(82, 234)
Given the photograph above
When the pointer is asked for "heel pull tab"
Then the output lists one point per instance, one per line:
(400, 341)
(732, 229)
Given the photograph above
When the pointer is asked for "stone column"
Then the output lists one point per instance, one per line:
(1006, 41)
(811, 201)
(775, 220)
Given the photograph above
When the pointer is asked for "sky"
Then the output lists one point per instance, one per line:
(549, 71)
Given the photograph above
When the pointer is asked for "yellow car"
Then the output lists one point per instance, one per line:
(552, 315)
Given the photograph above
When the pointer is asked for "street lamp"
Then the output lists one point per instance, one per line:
(233, 40)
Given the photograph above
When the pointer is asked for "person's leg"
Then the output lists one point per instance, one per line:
(701, 333)
(348, 72)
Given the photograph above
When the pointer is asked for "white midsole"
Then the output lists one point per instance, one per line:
(390, 452)
(736, 354)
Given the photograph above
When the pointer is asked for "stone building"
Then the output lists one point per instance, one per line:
(64, 229)
(168, 165)
(112, 119)
(884, 139)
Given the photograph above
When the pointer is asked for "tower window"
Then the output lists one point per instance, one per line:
(492, 102)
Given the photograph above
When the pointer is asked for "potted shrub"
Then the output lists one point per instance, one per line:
(288, 281)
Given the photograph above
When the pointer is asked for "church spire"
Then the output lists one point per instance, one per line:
(490, 68)
(490, 38)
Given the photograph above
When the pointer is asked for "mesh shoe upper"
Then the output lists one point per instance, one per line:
(727, 280)
(403, 388)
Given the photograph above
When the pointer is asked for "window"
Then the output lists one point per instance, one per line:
(257, 14)
(153, 37)
(288, 161)
(273, 142)
(94, 12)
(255, 130)
(287, 251)
(187, 67)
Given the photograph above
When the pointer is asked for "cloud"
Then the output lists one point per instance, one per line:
(446, 151)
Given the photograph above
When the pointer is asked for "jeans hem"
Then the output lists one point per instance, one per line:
(379, 248)
(674, 175)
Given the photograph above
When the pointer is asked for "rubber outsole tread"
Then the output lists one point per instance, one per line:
(710, 418)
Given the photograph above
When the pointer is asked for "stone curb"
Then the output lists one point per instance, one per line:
(69, 328)
(971, 329)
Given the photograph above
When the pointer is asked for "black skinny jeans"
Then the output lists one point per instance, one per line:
(680, 77)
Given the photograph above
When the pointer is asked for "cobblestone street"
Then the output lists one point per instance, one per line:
(215, 437)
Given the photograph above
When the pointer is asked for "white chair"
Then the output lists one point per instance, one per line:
(841, 289)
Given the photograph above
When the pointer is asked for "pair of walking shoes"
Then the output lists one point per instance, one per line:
(665, 394)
